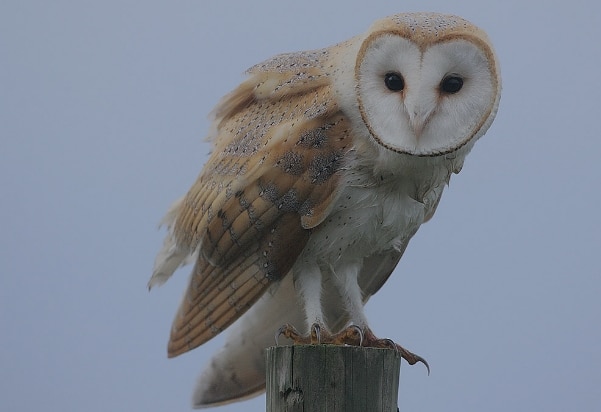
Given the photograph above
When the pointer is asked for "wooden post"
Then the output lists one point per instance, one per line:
(328, 378)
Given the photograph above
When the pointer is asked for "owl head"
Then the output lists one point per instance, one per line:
(424, 84)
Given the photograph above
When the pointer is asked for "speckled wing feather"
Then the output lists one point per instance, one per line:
(279, 143)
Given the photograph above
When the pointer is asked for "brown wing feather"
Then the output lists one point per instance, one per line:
(217, 296)
(270, 179)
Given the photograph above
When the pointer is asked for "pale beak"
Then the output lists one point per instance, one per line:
(417, 125)
(418, 121)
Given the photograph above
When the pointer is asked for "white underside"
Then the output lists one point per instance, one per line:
(375, 213)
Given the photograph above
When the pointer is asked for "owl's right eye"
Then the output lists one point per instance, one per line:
(394, 82)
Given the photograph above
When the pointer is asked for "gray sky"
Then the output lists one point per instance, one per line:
(103, 111)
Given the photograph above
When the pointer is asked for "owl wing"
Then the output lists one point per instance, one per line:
(237, 371)
(279, 144)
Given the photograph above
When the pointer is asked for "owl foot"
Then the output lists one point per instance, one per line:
(355, 336)
(319, 334)
(352, 336)
(370, 340)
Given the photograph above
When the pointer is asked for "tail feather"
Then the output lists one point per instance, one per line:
(237, 371)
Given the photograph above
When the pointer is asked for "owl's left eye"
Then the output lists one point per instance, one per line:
(451, 84)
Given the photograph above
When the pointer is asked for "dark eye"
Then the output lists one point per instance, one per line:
(451, 84)
(394, 82)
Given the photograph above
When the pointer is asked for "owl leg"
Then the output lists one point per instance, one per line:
(309, 286)
(358, 333)
(346, 278)
(308, 282)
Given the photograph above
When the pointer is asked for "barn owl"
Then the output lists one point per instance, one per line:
(324, 164)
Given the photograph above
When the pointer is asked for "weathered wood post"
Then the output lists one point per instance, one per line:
(329, 378)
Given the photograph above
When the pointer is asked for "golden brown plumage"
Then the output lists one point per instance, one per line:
(325, 163)
(272, 177)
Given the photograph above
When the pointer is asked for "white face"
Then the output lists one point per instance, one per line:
(424, 102)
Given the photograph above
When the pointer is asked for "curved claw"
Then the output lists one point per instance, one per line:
(422, 360)
(393, 345)
(412, 358)
(360, 332)
(288, 331)
(278, 333)
(316, 332)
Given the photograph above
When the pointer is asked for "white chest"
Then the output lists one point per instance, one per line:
(374, 214)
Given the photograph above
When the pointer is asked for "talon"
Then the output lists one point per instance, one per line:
(391, 344)
(289, 332)
(360, 332)
(417, 358)
(352, 335)
(315, 333)
(422, 360)
(411, 358)
(278, 333)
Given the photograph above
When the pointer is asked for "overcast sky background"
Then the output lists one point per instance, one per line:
(103, 111)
